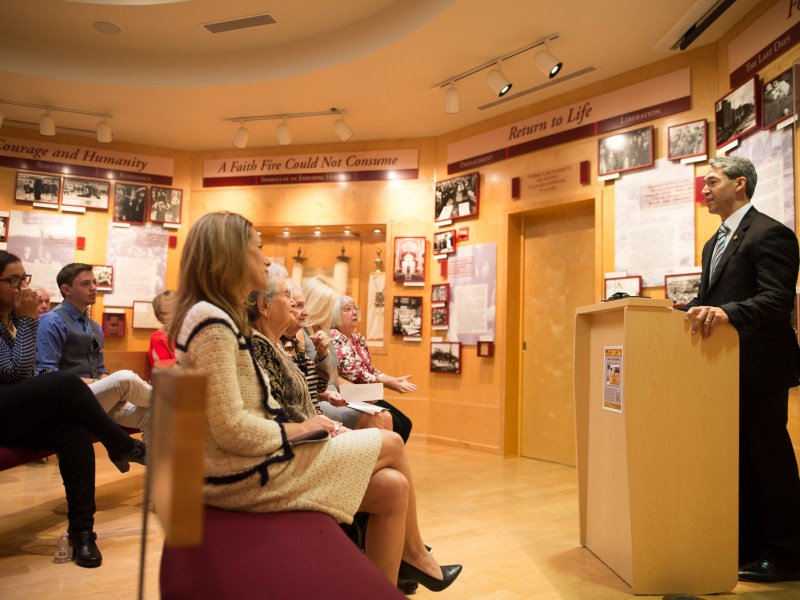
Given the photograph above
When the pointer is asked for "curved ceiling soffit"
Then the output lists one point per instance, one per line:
(29, 57)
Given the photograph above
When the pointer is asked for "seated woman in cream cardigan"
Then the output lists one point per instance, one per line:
(250, 462)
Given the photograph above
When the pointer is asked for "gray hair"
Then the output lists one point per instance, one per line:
(735, 167)
(336, 311)
(268, 293)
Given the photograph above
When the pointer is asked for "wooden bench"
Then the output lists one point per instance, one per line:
(222, 554)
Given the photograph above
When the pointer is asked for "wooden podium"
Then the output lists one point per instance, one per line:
(658, 481)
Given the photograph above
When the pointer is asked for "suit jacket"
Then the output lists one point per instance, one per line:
(754, 283)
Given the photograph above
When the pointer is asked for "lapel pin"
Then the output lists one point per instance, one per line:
(736, 237)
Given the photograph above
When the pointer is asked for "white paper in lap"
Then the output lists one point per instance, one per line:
(139, 257)
(654, 222)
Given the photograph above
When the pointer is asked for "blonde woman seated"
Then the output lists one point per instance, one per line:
(250, 463)
(355, 361)
(160, 350)
(310, 352)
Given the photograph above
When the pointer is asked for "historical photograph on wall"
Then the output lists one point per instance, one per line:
(409, 259)
(445, 357)
(165, 205)
(625, 151)
(32, 187)
(440, 316)
(129, 203)
(737, 113)
(407, 316)
(625, 286)
(681, 287)
(86, 193)
(440, 292)
(444, 242)
(687, 140)
(458, 197)
(104, 274)
(779, 98)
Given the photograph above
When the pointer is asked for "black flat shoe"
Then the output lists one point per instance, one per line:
(766, 571)
(412, 573)
(137, 455)
(84, 551)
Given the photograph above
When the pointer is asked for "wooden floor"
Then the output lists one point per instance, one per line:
(511, 522)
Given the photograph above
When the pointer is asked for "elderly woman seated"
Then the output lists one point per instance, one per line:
(310, 351)
(355, 361)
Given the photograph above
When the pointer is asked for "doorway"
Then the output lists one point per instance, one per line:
(558, 266)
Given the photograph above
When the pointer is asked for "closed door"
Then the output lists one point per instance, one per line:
(558, 277)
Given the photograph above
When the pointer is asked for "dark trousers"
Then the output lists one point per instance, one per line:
(769, 486)
(57, 411)
(401, 424)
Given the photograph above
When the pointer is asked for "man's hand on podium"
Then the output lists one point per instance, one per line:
(706, 318)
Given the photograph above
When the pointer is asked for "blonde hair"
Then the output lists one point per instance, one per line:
(336, 311)
(162, 304)
(214, 268)
(320, 297)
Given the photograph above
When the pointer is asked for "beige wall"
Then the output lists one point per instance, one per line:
(480, 407)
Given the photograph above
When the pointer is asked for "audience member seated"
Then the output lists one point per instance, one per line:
(161, 351)
(355, 361)
(310, 353)
(54, 411)
(69, 340)
(269, 313)
(44, 300)
(252, 465)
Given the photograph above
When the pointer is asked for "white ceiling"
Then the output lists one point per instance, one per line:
(169, 82)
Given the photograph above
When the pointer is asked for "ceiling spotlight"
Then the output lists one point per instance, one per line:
(548, 64)
(104, 132)
(452, 101)
(498, 82)
(241, 136)
(47, 124)
(284, 134)
(342, 130)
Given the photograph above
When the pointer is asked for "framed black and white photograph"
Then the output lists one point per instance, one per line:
(779, 98)
(630, 285)
(625, 151)
(682, 287)
(3, 228)
(440, 316)
(440, 292)
(32, 187)
(409, 259)
(130, 201)
(86, 193)
(445, 357)
(165, 205)
(104, 274)
(458, 197)
(687, 140)
(737, 112)
(407, 316)
(444, 242)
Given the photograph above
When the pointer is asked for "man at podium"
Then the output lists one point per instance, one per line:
(750, 268)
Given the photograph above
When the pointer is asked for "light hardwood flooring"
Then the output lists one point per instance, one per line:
(512, 522)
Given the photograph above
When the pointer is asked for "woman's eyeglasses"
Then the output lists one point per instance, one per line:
(16, 282)
(350, 309)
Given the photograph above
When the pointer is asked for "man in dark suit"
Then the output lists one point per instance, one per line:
(749, 276)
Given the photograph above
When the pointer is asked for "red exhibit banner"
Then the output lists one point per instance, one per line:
(84, 161)
(639, 103)
(381, 165)
(771, 35)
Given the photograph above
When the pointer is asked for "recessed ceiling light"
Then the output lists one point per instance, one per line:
(376, 231)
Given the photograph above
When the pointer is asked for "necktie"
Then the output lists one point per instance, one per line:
(719, 248)
(85, 323)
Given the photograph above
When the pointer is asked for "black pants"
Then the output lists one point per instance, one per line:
(57, 411)
(401, 424)
(769, 486)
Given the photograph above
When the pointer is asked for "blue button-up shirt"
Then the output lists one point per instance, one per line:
(52, 336)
